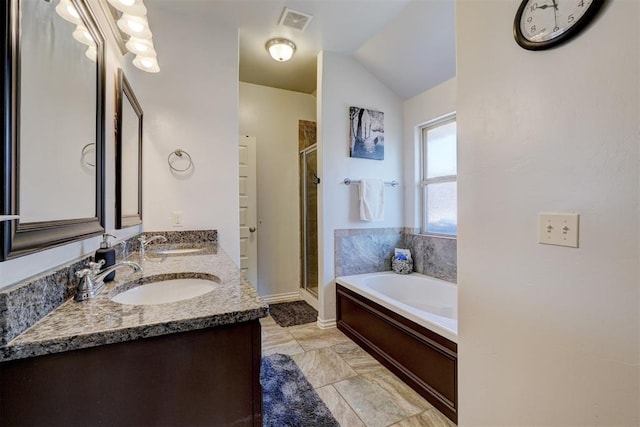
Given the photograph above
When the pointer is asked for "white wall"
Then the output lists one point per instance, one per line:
(271, 115)
(422, 108)
(21, 268)
(192, 104)
(342, 83)
(548, 335)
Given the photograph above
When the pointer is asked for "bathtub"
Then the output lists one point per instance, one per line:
(429, 302)
(409, 323)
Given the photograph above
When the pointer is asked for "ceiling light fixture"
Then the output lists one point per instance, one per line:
(280, 49)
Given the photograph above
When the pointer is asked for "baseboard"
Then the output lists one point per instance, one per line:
(326, 324)
(274, 299)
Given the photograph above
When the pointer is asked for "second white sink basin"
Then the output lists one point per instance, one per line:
(165, 291)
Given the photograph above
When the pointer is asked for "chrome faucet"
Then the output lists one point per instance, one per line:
(144, 242)
(92, 282)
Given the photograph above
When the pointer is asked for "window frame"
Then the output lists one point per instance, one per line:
(424, 181)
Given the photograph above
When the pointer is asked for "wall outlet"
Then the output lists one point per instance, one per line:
(558, 229)
(176, 218)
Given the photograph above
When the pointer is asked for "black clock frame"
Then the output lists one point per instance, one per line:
(562, 38)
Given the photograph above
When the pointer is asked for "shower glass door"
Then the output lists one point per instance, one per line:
(309, 221)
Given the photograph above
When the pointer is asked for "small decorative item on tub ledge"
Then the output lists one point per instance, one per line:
(401, 263)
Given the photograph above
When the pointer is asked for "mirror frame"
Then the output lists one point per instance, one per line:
(125, 92)
(111, 13)
(19, 239)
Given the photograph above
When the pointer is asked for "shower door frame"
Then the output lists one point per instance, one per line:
(304, 282)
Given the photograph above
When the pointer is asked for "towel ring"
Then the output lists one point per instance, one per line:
(179, 153)
(84, 153)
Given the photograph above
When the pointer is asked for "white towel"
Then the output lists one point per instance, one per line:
(371, 199)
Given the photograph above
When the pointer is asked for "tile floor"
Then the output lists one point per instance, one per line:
(356, 388)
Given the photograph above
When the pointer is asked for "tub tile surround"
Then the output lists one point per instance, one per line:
(432, 255)
(25, 303)
(365, 250)
(358, 390)
(370, 250)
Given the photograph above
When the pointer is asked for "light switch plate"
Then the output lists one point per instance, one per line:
(176, 218)
(558, 229)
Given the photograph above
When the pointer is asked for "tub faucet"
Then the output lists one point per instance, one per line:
(144, 242)
(92, 279)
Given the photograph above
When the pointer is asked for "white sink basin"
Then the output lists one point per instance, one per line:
(165, 291)
(177, 251)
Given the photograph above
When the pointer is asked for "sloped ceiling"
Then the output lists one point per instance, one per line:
(407, 44)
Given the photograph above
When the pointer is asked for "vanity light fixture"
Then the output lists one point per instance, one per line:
(280, 49)
(130, 7)
(68, 12)
(133, 22)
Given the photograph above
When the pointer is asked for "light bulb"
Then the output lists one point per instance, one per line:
(130, 7)
(135, 26)
(68, 12)
(143, 47)
(148, 64)
(92, 53)
(83, 35)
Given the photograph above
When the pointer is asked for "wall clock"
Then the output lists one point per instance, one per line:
(542, 24)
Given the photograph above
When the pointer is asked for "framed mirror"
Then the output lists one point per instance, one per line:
(128, 155)
(53, 146)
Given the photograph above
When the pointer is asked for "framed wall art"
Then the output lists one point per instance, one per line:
(367, 133)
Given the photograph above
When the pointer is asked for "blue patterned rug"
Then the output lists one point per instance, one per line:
(287, 397)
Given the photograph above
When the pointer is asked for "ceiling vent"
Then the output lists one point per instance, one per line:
(294, 19)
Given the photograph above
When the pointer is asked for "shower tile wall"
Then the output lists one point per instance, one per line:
(306, 134)
(370, 250)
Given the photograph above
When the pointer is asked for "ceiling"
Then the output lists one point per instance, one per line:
(409, 45)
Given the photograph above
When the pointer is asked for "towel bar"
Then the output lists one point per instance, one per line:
(349, 181)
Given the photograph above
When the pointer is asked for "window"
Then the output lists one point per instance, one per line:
(439, 177)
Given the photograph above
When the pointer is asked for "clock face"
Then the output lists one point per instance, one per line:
(544, 23)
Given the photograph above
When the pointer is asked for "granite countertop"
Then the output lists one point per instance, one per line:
(99, 321)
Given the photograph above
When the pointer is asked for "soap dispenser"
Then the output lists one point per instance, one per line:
(108, 254)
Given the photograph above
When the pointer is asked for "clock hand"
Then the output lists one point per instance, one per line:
(544, 6)
(555, 14)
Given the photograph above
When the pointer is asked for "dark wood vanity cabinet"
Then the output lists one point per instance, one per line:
(207, 377)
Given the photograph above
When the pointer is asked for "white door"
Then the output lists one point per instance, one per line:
(248, 210)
